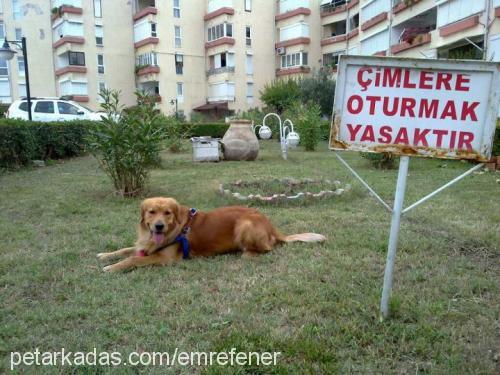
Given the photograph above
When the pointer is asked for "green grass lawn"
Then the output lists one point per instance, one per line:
(317, 304)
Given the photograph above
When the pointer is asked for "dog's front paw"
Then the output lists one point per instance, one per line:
(104, 256)
(108, 268)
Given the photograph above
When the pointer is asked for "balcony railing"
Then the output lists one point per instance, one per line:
(331, 6)
(224, 69)
(71, 3)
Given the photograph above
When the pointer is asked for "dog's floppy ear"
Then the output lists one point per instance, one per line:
(143, 212)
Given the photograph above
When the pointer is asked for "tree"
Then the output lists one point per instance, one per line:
(320, 89)
(280, 94)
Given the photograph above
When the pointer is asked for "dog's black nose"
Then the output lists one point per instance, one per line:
(159, 226)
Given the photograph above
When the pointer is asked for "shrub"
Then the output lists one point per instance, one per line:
(320, 89)
(127, 145)
(324, 130)
(215, 130)
(280, 95)
(308, 125)
(380, 161)
(496, 140)
(22, 141)
(176, 131)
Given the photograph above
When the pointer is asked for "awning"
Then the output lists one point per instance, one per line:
(212, 106)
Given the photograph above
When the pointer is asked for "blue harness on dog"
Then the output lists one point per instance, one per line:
(182, 239)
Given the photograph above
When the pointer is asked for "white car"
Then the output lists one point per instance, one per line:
(51, 109)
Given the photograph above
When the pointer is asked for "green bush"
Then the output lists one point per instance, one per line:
(307, 121)
(22, 141)
(127, 145)
(280, 94)
(496, 140)
(383, 160)
(324, 130)
(318, 88)
(215, 130)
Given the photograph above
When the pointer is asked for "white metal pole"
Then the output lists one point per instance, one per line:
(393, 237)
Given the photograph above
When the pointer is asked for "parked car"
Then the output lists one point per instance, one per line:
(51, 109)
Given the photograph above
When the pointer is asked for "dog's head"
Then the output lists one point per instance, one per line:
(159, 216)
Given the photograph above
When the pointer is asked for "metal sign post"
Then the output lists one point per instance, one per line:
(413, 107)
(394, 234)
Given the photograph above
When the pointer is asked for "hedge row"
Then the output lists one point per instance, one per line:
(215, 130)
(22, 141)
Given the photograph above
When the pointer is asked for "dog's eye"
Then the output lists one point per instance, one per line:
(152, 212)
(167, 212)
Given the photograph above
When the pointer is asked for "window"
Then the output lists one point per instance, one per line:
(102, 87)
(16, 9)
(180, 92)
(19, 33)
(220, 31)
(20, 66)
(44, 107)
(294, 59)
(24, 106)
(100, 63)
(153, 30)
(249, 64)
(177, 9)
(5, 90)
(179, 64)
(67, 109)
(248, 5)
(332, 59)
(147, 59)
(97, 9)
(1, 6)
(249, 92)
(2, 30)
(76, 58)
(178, 40)
(4, 67)
(99, 35)
(21, 87)
(248, 35)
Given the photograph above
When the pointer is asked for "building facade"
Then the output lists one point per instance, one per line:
(214, 56)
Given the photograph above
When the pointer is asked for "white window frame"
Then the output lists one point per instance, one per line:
(99, 35)
(293, 60)
(248, 5)
(97, 8)
(180, 93)
(219, 31)
(100, 67)
(248, 40)
(177, 8)
(21, 72)
(177, 38)
(250, 90)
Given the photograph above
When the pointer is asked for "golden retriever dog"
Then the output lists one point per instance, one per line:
(169, 232)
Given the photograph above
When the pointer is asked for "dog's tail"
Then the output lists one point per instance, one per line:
(304, 237)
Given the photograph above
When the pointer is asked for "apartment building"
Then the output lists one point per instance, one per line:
(214, 56)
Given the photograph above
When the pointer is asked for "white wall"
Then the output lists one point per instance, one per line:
(294, 31)
(375, 43)
(373, 9)
(454, 10)
(288, 5)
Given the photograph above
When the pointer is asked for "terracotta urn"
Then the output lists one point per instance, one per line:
(240, 141)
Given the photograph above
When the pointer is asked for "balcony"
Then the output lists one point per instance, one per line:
(458, 26)
(374, 21)
(400, 5)
(415, 41)
(221, 92)
(331, 7)
(152, 88)
(65, 9)
(217, 8)
(70, 3)
(145, 33)
(219, 42)
(142, 70)
(221, 70)
(289, 71)
(76, 90)
(285, 6)
(292, 13)
(67, 32)
(334, 33)
(414, 32)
